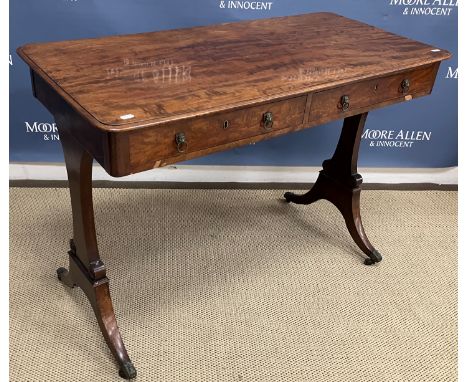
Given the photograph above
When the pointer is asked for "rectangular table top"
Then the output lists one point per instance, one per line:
(130, 81)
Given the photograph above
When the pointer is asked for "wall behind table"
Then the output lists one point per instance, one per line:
(428, 125)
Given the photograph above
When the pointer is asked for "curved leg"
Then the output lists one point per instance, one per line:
(340, 184)
(348, 203)
(86, 269)
(307, 198)
(353, 221)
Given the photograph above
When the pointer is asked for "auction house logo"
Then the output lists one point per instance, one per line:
(249, 5)
(426, 7)
(452, 73)
(313, 73)
(161, 71)
(392, 138)
(48, 130)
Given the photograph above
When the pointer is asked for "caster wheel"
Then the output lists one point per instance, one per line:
(374, 257)
(127, 371)
(369, 262)
(288, 196)
(60, 272)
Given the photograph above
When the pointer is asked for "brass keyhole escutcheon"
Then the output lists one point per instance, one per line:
(405, 85)
(268, 120)
(344, 103)
(181, 142)
(225, 124)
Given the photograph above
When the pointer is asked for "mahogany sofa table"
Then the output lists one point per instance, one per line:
(142, 101)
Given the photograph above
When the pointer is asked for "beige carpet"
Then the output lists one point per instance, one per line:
(229, 285)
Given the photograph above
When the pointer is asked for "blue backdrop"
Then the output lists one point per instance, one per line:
(429, 124)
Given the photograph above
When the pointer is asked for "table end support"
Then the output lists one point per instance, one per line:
(340, 184)
(86, 269)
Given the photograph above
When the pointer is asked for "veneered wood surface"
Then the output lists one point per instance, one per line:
(172, 75)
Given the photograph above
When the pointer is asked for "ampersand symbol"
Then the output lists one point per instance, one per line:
(221, 4)
(371, 143)
(46, 137)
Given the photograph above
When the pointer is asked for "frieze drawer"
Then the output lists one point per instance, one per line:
(150, 147)
(343, 101)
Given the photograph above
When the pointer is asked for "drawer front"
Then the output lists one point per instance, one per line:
(365, 95)
(149, 147)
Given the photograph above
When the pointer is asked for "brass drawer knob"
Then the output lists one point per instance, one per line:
(344, 103)
(268, 120)
(181, 142)
(405, 85)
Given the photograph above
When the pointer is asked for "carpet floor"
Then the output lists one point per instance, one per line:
(236, 285)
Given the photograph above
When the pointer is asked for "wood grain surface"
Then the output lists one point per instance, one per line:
(124, 82)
